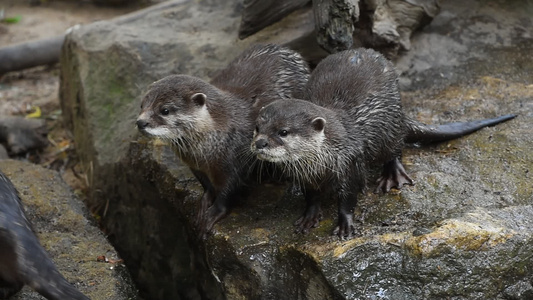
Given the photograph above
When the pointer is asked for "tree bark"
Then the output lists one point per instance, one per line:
(258, 14)
(334, 21)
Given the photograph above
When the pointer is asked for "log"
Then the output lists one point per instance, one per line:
(387, 25)
(26, 55)
(258, 14)
(334, 21)
(395, 21)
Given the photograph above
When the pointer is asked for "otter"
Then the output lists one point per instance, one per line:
(353, 120)
(22, 258)
(210, 125)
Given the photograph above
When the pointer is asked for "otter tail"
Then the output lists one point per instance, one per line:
(22, 258)
(421, 133)
(37, 270)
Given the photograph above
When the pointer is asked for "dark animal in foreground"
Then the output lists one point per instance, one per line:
(22, 258)
(353, 121)
(210, 125)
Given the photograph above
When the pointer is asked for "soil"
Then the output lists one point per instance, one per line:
(32, 90)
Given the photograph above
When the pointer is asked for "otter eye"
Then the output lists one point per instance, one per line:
(257, 129)
(283, 133)
(165, 111)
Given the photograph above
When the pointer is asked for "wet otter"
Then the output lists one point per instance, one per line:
(210, 125)
(22, 259)
(352, 121)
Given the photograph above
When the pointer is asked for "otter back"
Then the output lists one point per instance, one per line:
(267, 72)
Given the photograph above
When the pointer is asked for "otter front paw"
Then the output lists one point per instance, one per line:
(346, 229)
(310, 219)
(210, 218)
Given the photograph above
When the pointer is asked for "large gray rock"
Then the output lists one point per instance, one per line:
(462, 232)
(74, 243)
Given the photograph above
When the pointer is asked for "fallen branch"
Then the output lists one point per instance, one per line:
(258, 14)
(30, 54)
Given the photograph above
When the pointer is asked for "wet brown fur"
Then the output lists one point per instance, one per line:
(352, 122)
(211, 124)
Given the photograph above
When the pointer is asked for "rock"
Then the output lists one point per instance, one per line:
(74, 243)
(388, 25)
(462, 232)
(335, 21)
(20, 135)
(3, 152)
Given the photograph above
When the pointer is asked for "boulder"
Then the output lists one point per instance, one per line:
(3, 152)
(20, 135)
(462, 232)
(68, 234)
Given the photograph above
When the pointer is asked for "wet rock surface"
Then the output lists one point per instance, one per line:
(462, 232)
(74, 243)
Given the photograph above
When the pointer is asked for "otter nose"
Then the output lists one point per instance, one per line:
(142, 124)
(260, 144)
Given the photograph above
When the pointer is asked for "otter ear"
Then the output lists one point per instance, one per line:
(199, 99)
(318, 123)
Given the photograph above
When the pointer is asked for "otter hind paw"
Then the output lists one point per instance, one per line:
(393, 176)
(346, 229)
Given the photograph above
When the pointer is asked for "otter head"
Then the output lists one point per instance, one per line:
(175, 107)
(289, 131)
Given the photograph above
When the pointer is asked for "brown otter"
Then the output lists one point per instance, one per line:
(210, 125)
(22, 259)
(352, 121)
